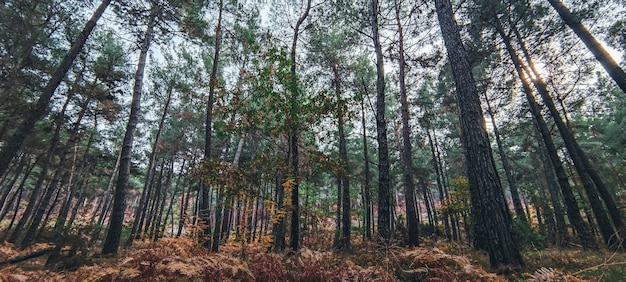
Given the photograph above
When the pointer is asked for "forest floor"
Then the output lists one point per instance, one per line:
(184, 260)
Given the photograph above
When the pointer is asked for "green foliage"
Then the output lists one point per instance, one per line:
(459, 201)
(528, 237)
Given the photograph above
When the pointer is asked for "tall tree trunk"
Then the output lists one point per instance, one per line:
(59, 175)
(106, 201)
(155, 204)
(552, 184)
(605, 59)
(489, 207)
(294, 128)
(338, 214)
(32, 201)
(73, 183)
(135, 229)
(407, 151)
(40, 109)
(114, 233)
(343, 193)
(156, 230)
(440, 185)
(170, 206)
(366, 167)
(384, 182)
(208, 143)
(515, 197)
(592, 182)
(185, 202)
(573, 212)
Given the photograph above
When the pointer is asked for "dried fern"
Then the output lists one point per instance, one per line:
(551, 275)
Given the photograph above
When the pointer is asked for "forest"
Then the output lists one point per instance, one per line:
(312, 140)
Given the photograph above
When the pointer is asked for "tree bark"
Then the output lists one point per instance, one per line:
(114, 233)
(573, 212)
(369, 221)
(592, 182)
(294, 127)
(135, 229)
(515, 197)
(205, 212)
(605, 59)
(440, 180)
(384, 182)
(489, 207)
(343, 175)
(407, 151)
(40, 109)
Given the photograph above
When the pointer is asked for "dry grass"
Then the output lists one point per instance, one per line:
(184, 260)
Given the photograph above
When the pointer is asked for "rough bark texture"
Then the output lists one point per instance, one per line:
(489, 207)
(114, 233)
(384, 183)
(40, 109)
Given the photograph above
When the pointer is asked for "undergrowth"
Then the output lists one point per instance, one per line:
(184, 260)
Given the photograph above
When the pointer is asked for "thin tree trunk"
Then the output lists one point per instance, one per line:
(551, 180)
(366, 167)
(18, 171)
(338, 215)
(153, 202)
(205, 189)
(19, 190)
(40, 109)
(407, 151)
(343, 191)
(156, 226)
(278, 228)
(439, 175)
(515, 197)
(114, 234)
(384, 182)
(592, 182)
(60, 175)
(573, 212)
(172, 198)
(185, 203)
(294, 132)
(145, 209)
(30, 208)
(153, 154)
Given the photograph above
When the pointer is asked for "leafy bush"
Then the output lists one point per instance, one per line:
(527, 237)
